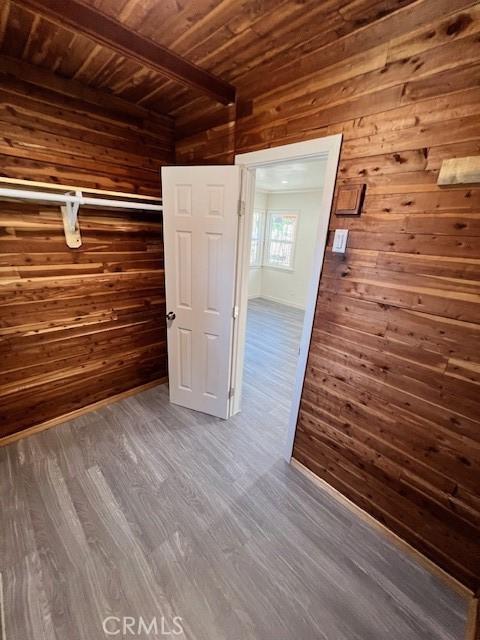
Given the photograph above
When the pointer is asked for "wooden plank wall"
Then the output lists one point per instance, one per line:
(57, 130)
(77, 325)
(390, 413)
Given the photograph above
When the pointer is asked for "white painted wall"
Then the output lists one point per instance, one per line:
(255, 273)
(255, 282)
(280, 285)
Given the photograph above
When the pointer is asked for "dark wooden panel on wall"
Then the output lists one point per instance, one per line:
(390, 413)
(224, 38)
(77, 326)
(57, 131)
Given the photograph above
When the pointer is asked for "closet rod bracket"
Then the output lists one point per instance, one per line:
(71, 225)
(71, 201)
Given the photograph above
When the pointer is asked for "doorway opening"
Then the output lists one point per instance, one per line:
(288, 194)
(286, 214)
(209, 218)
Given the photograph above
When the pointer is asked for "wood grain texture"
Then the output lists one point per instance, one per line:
(390, 412)
(111, 34)
(223, 38)
(55, 131)
(147, 509)
(77, 326)
(94, 406)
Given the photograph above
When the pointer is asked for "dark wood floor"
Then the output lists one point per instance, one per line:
(146, 509)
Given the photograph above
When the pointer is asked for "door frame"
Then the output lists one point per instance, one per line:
(320, 148)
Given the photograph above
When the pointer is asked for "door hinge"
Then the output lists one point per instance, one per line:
(241, 208)
(235, 312)
(231, 393)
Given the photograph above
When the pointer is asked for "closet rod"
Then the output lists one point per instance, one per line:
(77, 200)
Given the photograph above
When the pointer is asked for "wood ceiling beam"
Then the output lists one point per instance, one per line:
(38, 77)
(110, 33)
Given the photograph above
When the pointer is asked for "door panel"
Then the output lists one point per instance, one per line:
(183, 264)
(200, 219)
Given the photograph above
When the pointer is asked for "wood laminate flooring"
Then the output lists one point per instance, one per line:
(145, 509)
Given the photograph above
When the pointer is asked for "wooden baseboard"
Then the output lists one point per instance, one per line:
(433, 568)
(79, 412)
(3, 635)
(473, 621)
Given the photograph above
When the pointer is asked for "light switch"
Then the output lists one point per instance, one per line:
(340, 241)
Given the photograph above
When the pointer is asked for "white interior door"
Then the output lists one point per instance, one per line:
(200, 226)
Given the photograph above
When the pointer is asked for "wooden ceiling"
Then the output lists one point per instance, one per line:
(239, 41)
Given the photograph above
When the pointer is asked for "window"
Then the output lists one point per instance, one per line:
(256, 246)
(280, 241)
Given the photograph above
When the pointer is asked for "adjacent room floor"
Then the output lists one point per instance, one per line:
(144, 509)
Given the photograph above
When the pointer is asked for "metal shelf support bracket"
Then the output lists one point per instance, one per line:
(71, 225)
